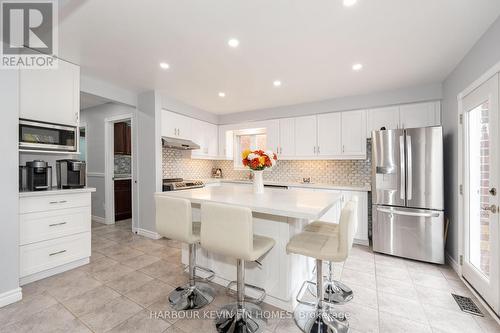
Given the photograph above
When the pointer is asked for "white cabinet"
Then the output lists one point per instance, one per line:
(353, 134)
(305, 136)
(420, 115)
(206, 136)
(286, 148)
(387, 117)
(273, 135)
(174, 125)
(226, 142)
(329, 134)
(51, 95)
(54, 234)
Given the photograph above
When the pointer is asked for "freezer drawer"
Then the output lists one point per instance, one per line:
(410, 233)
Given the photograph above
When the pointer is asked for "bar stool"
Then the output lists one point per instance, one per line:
(316, 317)
(334, 291)
(228, 230)
(174, 221)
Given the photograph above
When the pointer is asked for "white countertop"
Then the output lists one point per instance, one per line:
(361, 188)
(293, 203)
(56, 191)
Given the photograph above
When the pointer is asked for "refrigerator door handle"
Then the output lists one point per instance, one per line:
(409, 167)
(402, 167)
(399, 212)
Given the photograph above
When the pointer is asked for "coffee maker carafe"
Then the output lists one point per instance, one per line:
(71, 174)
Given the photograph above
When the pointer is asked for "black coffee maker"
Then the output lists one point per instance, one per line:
(71, 174)
(35, 176)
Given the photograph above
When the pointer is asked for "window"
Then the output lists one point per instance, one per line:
(252, 139)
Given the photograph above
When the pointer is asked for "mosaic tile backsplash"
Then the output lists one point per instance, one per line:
(123, 164)
(177, 163)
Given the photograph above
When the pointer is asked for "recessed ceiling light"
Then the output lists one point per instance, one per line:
(233, 42)
(349, 3)
(357, 67)
(164, 65)
(277, 83)
(222, 94)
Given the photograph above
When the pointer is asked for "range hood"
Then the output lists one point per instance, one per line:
(180, 144)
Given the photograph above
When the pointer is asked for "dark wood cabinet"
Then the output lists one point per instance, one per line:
(123, 199)
(123, 139)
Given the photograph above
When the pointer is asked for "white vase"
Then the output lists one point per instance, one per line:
(258, 182)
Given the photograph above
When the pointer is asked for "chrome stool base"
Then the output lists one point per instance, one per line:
(246, 318)
(334, 291)
(191, 297)
(311, 319)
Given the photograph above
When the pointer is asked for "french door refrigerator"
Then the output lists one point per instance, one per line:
(407, 193)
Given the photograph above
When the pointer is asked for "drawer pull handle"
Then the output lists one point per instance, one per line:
(55, 224)
(58, 252)
(53, 202)
(63, 201)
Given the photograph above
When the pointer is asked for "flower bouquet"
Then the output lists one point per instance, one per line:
(258, 161)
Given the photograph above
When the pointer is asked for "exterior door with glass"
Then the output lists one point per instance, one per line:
(481, 180)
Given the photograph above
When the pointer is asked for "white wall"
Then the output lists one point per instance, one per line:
(483, 55)
(9, 236)
(94, 119)
(429, 92)
(171, 104)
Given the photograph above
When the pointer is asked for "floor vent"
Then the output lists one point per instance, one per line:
(466, 304)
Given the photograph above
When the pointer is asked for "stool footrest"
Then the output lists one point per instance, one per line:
(301, 291)
(211, 273)
(257, 300)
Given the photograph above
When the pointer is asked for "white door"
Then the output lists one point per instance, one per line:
(305, 136)
(420, 115)
(354, 133)
(168, 124)
(287, 137)
(329, 134)
(481, 171)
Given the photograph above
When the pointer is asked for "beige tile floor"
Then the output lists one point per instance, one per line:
(129, 276)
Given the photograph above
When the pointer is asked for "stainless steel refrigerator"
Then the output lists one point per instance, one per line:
(407, 193)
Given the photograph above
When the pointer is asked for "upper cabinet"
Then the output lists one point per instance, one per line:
(122, 139)
(420, 115)
(329, 134)
(353, 134)
(174, 125)
(305, 136)
(51, 95)
(387, 117)
(286, 128)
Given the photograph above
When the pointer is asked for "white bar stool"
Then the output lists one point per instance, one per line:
(333, 246)
(228, 230)
(334, 291)
(174, 221)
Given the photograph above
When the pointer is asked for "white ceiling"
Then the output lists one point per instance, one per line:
(309, 45)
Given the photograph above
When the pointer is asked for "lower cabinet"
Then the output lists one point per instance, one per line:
(53, 237)
(123, 199)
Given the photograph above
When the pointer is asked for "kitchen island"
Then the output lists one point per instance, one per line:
(277, 213)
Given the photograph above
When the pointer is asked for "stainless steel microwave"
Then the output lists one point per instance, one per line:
(35, 135)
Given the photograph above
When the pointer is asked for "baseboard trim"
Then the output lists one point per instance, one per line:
(147, 233)
(364, 242)
(99, 219)
(453, 264)
(11, 296)
(53, 271)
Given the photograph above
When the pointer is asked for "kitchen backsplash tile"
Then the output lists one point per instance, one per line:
(123, 164)
(177, 163)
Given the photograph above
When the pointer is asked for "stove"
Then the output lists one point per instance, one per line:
(177, 184)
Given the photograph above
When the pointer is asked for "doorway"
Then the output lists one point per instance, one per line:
(480, 152)
(120, 171)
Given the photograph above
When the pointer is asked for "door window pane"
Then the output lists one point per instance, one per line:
(479, 186)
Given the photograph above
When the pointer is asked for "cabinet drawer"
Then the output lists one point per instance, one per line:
(36, 227)
(41, 256)
(53, 202)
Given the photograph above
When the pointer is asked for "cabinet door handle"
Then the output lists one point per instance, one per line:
(318, 150)
(56, 224)
(63, 201)
(314, 149)
(53, 202)
(58, 252)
